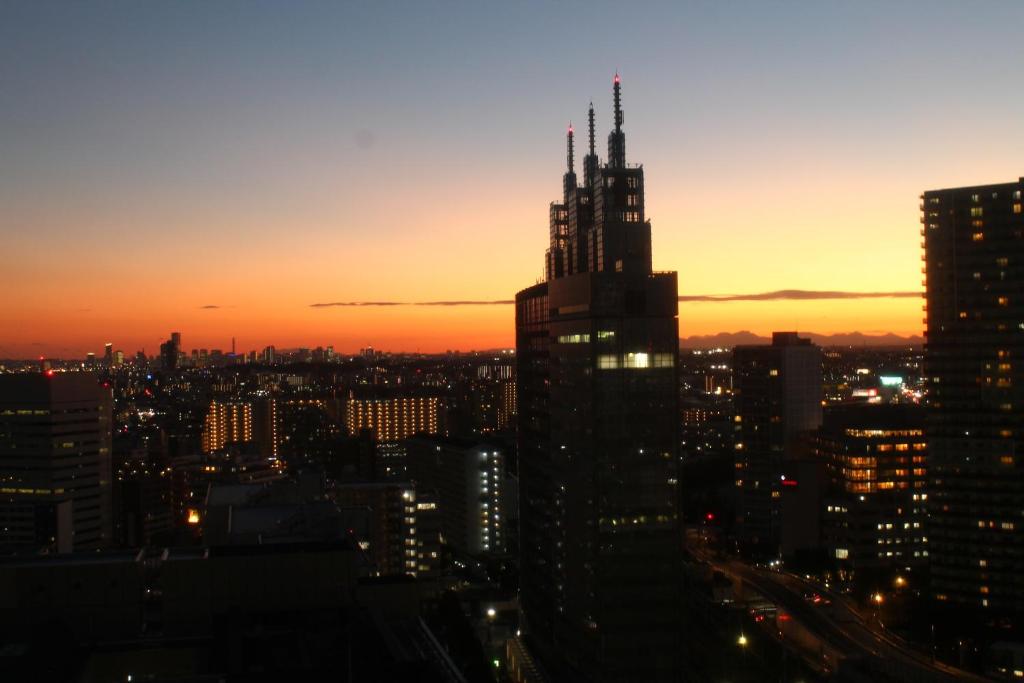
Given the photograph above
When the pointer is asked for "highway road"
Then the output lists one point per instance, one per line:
(839, 626)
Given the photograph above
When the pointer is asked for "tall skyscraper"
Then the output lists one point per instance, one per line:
(55, 470)
(170, 350)
(597, 349)
(777, 391)
(974, 361)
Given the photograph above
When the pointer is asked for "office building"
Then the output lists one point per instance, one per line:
(777, 390)
(469, 479)
(55, 469)
(974, 358)
(596, 354)
(876, 459)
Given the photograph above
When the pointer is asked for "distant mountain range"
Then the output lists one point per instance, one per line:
(730, 339)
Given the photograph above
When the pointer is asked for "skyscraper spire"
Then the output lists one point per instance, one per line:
(570, 156)
(590, 161)
(617, 89)
(569, 179)
(617, 139)
(590, 115)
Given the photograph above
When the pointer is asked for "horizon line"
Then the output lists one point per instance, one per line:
(775, 295)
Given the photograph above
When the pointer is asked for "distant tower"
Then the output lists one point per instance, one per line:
(170, 350)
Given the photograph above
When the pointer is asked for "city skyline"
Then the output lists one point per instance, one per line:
(152, 185)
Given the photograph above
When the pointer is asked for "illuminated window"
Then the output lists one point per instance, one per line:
(1004, 301)
(1016, 208)
(637, 360)
(607, 361)
(978, 236)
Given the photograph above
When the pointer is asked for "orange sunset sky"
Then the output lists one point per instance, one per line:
(216, 170)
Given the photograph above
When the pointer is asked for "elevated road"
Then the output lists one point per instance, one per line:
(842, 633)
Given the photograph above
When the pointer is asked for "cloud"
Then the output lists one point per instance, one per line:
(211, 307)
(344, 304)
(797, 295)
(779, 295)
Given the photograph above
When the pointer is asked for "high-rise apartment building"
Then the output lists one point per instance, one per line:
(777, 390)
(469, 479)
(404, 530)
(55, 470)
(227, 422)
(597, 347)
(393, 418)
(974, 361)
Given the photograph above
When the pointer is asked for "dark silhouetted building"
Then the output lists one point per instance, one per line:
(170, 350)
(777, 391)
(55, 468)
(974, 358)
(469, 478)
(403, 531)
(597, 346)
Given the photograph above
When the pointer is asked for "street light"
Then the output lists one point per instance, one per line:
(491, 612)
(742, 640)
(877, 598)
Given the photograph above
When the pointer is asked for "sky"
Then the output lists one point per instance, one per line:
(218, 168)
